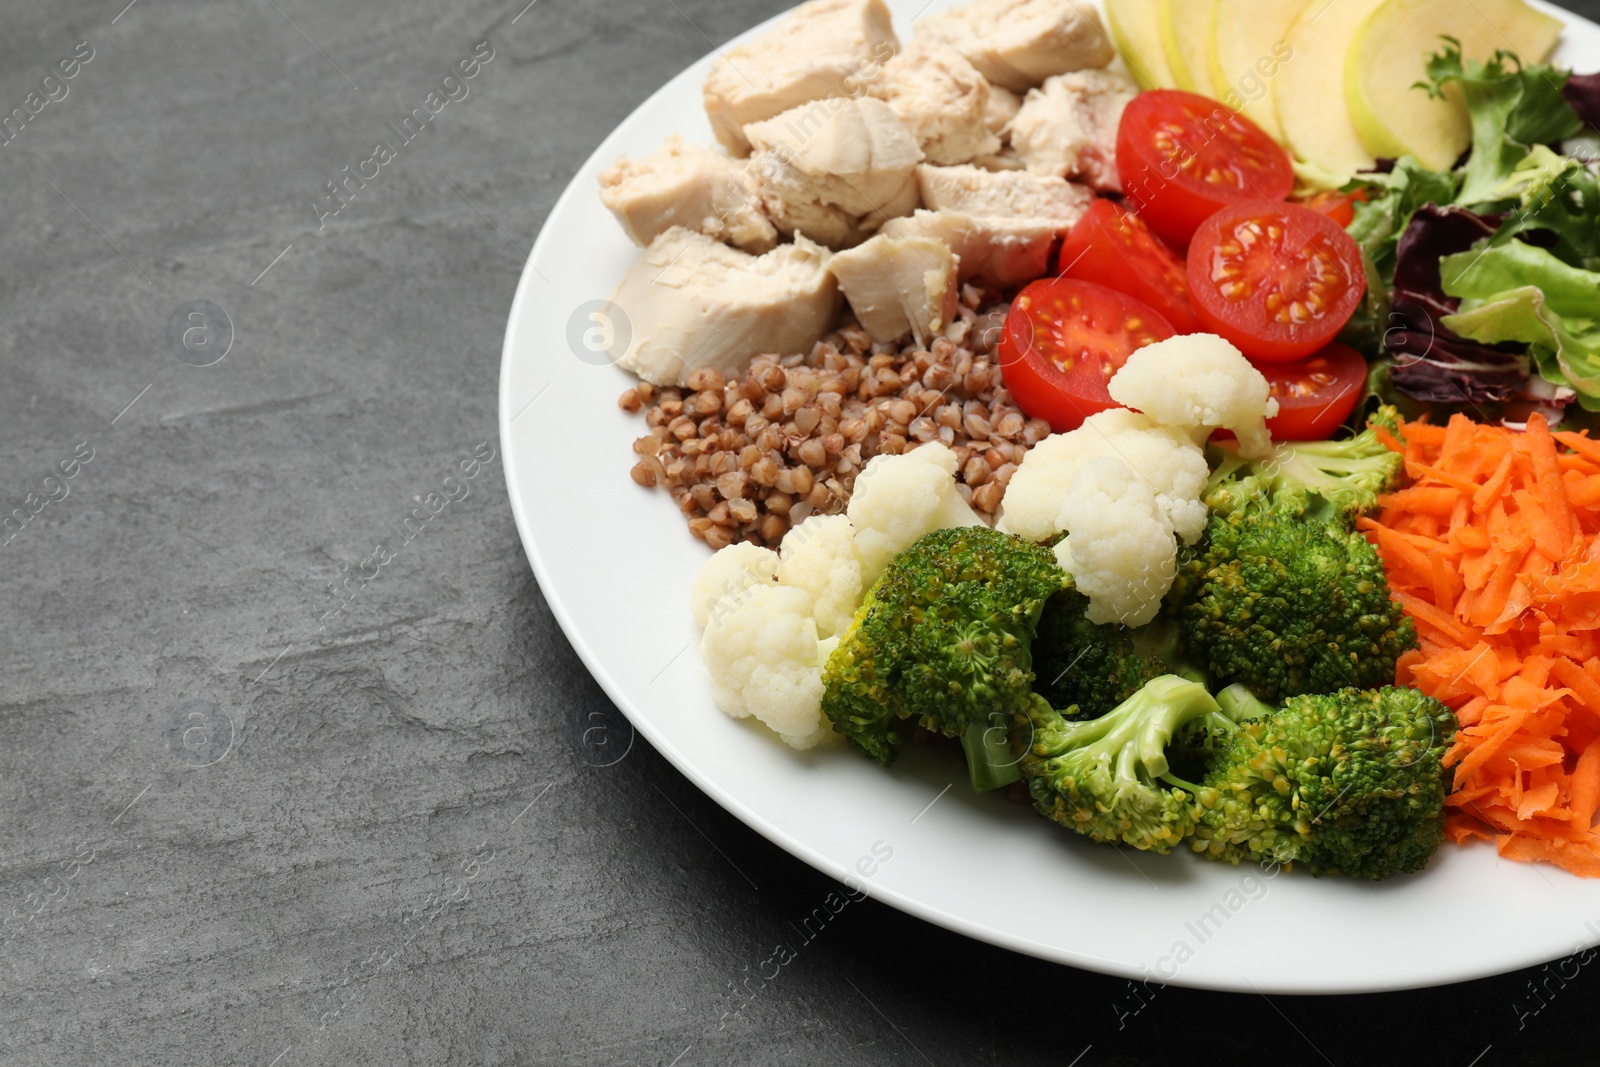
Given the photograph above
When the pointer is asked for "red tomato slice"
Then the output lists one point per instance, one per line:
(1112, 246)
(1064, 339)
(1278, 280)
(1183, 157)
(1340, 207)
(1315, 395)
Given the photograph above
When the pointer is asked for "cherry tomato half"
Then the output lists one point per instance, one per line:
(1315, 395)
(1112, 246)
(1063, 341)
(1278, 280)
(1183, 157)
(1340, 207)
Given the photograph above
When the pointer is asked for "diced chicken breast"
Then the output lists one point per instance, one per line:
(999, 251)
(1005, 159)
(1008, 194)
(1016, 44)
(942, 99)
(822, 48)
(1068, 127)
(693, 302)
(1003, 107)
(686, 185)
(835, 170)
(857, 151)
(899, 286)
(1002, 224)
(790, 199)
(798, 204)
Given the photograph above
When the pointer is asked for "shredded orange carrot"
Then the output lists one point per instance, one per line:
(1586, 786)
(1494, 550)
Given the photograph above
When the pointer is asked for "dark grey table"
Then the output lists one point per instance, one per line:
(259, 805)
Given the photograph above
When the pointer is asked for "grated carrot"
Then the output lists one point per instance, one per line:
(1494, 550)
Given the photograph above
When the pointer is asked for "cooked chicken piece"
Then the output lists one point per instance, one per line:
(999, 251)
(835, 170)
(858, 152)
(790, 200)
(1012, 194)
(693, 302)
(1005, 159)
(797, 204)
(822, 48)
(941, 98)
(1003, 107)
(686, 185)
(1068, 127)
(1002, 224)
(1016, 44)
(899, 286)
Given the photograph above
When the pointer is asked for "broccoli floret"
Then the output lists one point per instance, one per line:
(1282, 594)
(944, 640)
(1346, 783)
(1289, 605)
(1315, 479)
(1194, 747)
(1161, 641)
(1084, 666)
(1103, 778)
(1239, 704)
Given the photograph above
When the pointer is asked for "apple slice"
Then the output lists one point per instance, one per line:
(1136, 29)
(1186, 37)
(1309, 92)
(1389, 55)
(1249, 49)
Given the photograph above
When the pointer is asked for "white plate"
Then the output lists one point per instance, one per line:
(615, 563)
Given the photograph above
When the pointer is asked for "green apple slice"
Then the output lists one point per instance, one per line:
(1136, 29)
(1186, 36)
(1249, 47)
(1389, 55)
(1309, 92)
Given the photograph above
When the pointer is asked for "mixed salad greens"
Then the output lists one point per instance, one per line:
(1484, 281)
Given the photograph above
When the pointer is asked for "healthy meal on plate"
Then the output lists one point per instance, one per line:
(1188, 420)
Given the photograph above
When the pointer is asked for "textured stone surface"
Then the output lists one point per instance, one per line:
(243, 821)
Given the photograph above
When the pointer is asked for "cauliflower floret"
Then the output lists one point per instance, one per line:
(1199, 383)
(765, 660)
(730, 573)
(761, 644)
(1124, 489)
(1171, 465)
(819, 556)
(898, 499)
(1121, 550)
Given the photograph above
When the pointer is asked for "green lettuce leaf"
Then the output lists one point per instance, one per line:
(1391, 201)
(1518, 293)
(1378, 224)
(1561, 196)
(1512, 108)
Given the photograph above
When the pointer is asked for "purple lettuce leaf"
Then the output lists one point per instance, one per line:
(1583, 93)
(1436, 232)
(1432, 364)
